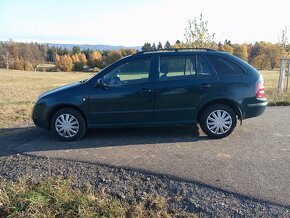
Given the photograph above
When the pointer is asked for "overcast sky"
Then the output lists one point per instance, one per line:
(134, 22)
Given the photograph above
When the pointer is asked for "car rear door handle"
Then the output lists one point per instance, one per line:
(205, 85)
(156, 92)
(145, 91)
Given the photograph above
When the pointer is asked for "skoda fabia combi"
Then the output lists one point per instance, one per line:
(157, 88)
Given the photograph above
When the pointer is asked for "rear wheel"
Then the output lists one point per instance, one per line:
(68, 124)
(218, 121)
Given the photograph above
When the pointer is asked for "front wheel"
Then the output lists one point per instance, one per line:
(68, 124)
(218, 121)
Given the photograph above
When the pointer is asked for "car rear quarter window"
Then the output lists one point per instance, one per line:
(224, 66)
(202, 68)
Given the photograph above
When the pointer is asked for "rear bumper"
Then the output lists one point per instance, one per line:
(255, 109)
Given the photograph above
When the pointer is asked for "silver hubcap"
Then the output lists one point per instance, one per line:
(219, 122)
(67, 125)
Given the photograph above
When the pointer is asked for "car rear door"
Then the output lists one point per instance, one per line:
(183, 80)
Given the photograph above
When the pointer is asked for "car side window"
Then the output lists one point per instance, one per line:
(224, 66)
(203, 71)
(176, 68)
(131, 72)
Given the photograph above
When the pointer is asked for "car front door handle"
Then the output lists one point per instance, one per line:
(205, 86)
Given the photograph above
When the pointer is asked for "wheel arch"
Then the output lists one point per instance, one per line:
(230, 103)
(61, 106)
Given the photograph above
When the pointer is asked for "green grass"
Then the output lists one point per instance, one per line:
(56, 197)
(20, 89)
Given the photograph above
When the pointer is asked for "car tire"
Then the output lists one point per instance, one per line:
(218, 121)
(68, 124)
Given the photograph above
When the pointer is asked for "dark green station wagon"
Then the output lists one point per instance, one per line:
(157, 88)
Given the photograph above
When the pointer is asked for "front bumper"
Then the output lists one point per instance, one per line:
(38, 116)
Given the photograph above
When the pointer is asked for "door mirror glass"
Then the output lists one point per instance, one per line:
(101, 83)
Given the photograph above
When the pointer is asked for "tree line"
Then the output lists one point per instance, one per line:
(262, 55)
(27, 56)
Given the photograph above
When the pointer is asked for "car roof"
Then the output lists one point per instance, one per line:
(175, 51)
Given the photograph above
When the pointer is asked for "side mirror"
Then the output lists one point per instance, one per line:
(102, 84)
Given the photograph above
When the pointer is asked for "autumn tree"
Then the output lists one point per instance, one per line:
(113, 56)
(127, 51)
(64, 63)
(19, 63)
(27, 65)
(274, 54)
(197, 34)
(95, 59)
(75, 58)
(241, 51)
(82, 58)
(257, 56)
(226, 48)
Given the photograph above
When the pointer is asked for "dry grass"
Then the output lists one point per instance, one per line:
(56, 197)
(20, 89)
(271, 89)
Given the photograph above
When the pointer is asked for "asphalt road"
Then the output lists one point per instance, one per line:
(253, 161)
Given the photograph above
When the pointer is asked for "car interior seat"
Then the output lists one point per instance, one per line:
(164, 70)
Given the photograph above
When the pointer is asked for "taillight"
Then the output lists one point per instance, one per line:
(261, 90)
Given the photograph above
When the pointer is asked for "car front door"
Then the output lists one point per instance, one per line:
(125, 95)
(183, 79)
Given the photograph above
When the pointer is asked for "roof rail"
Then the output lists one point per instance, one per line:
(175, 49)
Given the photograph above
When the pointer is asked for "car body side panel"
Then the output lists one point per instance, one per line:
(167, 103)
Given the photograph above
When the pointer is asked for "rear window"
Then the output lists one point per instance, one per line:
(224, 66)
(176, 68)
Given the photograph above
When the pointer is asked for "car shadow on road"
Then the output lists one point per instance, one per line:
(33, 139)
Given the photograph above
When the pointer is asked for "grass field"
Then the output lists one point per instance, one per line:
(271, 89)
(20, 89)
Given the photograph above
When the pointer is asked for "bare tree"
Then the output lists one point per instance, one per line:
(4, 55)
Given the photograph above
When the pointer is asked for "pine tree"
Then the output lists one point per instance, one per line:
(146, 47)
(159, 47)
(167, 45)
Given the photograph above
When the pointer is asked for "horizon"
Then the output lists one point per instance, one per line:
(131, 24)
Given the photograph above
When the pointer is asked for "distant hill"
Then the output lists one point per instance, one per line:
(94, 47)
